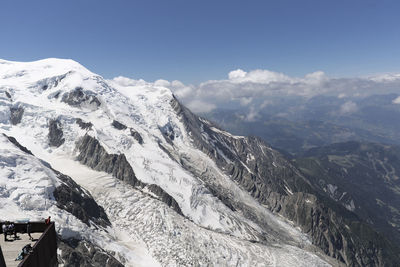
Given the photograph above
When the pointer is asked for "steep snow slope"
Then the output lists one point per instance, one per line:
(27, 187)
(49, 105)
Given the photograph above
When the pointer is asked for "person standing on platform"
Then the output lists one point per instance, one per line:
(4, 228)
(28, 230)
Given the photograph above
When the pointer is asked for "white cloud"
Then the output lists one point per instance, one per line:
(348, 107)
(237, 74)
(257, 76)
(315, 76)
(245, 101)
(199, 106)
(396, 100)
(265, 103)
(388, 77)
(124, 81)
(251, 115)
(257, 89)
(182, 91)
(162, 83)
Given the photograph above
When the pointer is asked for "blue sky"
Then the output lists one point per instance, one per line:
(194, 41)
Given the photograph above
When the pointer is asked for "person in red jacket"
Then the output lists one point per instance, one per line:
(47, 221)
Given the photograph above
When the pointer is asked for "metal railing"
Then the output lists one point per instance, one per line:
(36, 227)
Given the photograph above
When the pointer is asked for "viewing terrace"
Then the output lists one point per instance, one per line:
(44, 244)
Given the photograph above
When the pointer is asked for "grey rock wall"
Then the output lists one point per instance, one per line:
(84, 125)
(118, 125)
(137, 136)
(76, 253)
(164, 197)
(16, 115)
(17, 144)
(72, 198)
(92, 154)
(80, 98)
(55, 133)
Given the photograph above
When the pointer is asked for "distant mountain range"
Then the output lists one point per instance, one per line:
(298, 124)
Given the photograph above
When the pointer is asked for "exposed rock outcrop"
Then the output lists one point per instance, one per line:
(164, 197)
(8, 94)
(55, 133)
(16, 114)
(92, 154)
(168, 132)
(83, 253)
(137, 136)
(51, 82)
(17, 144)
(80, 98)
(72, 198)
(84, 125)
(118, 125)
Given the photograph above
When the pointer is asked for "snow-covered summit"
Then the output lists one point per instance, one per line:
(40, 69)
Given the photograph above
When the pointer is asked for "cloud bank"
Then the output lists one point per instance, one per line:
(258, 89)
(348, 107)
(396, 100)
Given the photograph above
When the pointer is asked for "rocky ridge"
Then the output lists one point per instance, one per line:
(279, 185)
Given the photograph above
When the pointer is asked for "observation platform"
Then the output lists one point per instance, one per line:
(44, 244)
(12, 248)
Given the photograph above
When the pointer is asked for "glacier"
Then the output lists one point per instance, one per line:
(144, 231)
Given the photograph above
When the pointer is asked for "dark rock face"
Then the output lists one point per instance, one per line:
(83, 253)
(280, 186)
(118, 125)
(168, 133)
(164, 197)
(339, 232)
(96, 157)
(137, 136)
(80, 98)
(54, 95)
(16, 115)
(84, 125)
(72, 198)
(55, 133)
(52, 82)
(15, 142)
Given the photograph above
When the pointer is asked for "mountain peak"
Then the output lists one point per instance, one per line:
(36, 70)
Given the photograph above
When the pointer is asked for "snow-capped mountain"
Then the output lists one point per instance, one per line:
(130, 171)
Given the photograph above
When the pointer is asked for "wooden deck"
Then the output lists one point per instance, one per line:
(11, 249)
